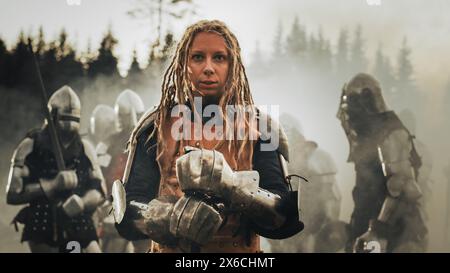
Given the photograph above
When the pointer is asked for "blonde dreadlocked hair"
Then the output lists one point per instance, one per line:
(176, 86)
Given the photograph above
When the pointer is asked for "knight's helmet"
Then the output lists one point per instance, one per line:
(361, 98)
(362, 94)
(129, 107)
(65, 107)
(102, 122)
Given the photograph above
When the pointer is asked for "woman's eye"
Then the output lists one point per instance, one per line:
(197, 57)
(220, 58)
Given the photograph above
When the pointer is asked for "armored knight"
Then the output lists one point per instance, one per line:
(320, 195)
(387, 213)
(103, 125)
(60, 203)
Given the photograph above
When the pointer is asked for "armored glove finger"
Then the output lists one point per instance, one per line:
(64, 180)
(194, 220)
(206, 171)
(73, 206)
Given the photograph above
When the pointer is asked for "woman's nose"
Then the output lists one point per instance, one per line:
(208, 70)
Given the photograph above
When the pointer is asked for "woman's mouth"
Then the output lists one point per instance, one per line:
(208, 84)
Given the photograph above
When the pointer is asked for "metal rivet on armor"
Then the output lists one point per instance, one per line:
(34, 228)
(36, 220)
(38, 206)
(43, 228)
(45, 220)
(85, 228)
(37, 213)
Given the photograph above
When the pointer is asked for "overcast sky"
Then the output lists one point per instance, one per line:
(425, 23)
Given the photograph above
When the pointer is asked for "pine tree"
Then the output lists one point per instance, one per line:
(296, 42)
(405, 68)
(168, 48)
(4, 63)
(358, 60)
(21, 63)
(106, 62)
(277, 43)
(324, 53)
(406, 91)
(40, 45)
(135, 74)
(134, 67)
(71, 68)
(342, 58)
(383, 72)
(257, 65)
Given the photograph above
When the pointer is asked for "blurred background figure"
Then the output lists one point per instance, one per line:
(129, 108)
(61, 194)
(320, 197)
(388, 202)
(103, 125)
(424, 173)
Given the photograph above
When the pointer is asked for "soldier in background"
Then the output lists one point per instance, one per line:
(424, 172)
(128, 109)
(320, 197)
(103, 125)
(388, 208)
(60, 203)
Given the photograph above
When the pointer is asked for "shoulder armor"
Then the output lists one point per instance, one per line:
(396, 147)
(18, 168)
(144, 123)
(22, 151)
(283, 144)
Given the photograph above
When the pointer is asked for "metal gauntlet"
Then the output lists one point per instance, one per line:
(166, 221)
(207, 171)
(153, 219)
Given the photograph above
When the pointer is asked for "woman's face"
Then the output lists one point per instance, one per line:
(208, 63)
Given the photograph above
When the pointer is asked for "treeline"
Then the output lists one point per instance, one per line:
(93, 74)
(61, 63)
(313, 55)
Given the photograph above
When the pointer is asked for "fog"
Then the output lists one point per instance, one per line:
(312, 97)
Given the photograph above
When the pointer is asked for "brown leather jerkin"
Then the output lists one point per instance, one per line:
(232, 237)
